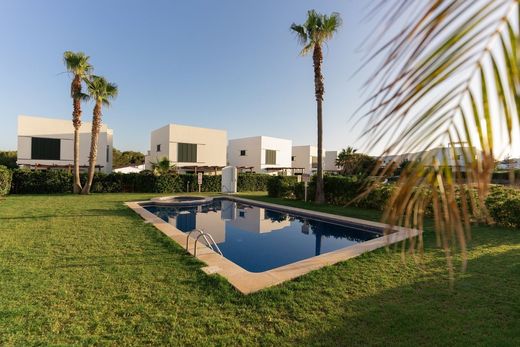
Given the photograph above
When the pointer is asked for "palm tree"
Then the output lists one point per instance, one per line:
(450, 76)
(101, 91)
(77, 64)
(163, 167)
(317, 29)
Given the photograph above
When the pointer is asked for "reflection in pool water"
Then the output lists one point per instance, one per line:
(260, 239)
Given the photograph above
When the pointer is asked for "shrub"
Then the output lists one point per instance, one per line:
(41, 182)
(503, 204)
(5, 180)
(55, 181)
(251, 182)
(281, 186)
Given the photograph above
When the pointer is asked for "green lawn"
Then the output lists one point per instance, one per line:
(88, 271)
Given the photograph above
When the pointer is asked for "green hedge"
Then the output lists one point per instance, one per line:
(59, 181)
(251, 182)
(281, 186)
(503, 204)
(5, 180)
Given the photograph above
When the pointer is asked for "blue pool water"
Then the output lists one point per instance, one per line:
(260, 239)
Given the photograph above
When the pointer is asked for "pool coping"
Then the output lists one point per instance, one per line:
(248, 282)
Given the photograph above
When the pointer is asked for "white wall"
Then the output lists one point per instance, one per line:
(329, 163)
(253, 156)
(211, 145)
(303, 158)
(255, 148)
(29, 127)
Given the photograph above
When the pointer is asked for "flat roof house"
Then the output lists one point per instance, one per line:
(49, 143)
(329, 161)
(190, 149)
(261, 154)
(306, 157)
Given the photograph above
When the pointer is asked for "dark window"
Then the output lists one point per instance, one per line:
(270, 157)
(242, 153)
(46, 149)
(158, 148)
(108, 153)
(187, 153)
(241, 214)
(314, 162)
(292, 158)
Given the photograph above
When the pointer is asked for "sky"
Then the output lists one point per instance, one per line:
(231, 65)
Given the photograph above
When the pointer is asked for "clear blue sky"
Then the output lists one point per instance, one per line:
(224, 64)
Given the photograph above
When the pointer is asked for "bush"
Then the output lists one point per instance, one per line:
(41, 182)
(281, 186)
(58, 181)
(5, 180)
(503, 204)
(251, 182)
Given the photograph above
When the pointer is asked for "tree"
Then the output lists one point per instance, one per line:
(101, 91)
(353, 163)
(8, 159)
(451, 75)
(77, 64)
(317, 30)
(126, 158)
(163, 167)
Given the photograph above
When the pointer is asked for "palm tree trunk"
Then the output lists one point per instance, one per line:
(77, 181)
(76, 122)
(317, 57)
(96, 123)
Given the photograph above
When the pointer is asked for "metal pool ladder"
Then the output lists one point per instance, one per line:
(210, 242)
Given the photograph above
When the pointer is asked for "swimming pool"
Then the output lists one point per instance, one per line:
(264, 244)
(260, 239)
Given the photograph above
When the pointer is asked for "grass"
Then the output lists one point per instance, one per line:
(86, 270)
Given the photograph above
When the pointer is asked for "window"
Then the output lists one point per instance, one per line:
(45, 149)
(108, 153)
(243, 153)
(270, 157)
(158, 148)
(187, 152)
(314, 161)
(292, 158)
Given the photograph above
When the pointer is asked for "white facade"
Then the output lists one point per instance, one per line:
(261, 153)
(187, 146)
(508, 164)
(329, 163)
(305, 157)
(449, 156)
(47, 142)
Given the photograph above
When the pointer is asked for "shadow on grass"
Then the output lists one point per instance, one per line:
(480, 310)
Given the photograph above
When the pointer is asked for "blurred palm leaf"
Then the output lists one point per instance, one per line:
(449, 77)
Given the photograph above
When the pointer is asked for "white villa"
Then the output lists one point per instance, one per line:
(329, 163)
(306, 157)
(452, 156)
(45, 143)
(190, 149)
(261, 154)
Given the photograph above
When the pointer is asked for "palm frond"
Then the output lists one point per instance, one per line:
(317, 29)
(448, 80)
(77, 63)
